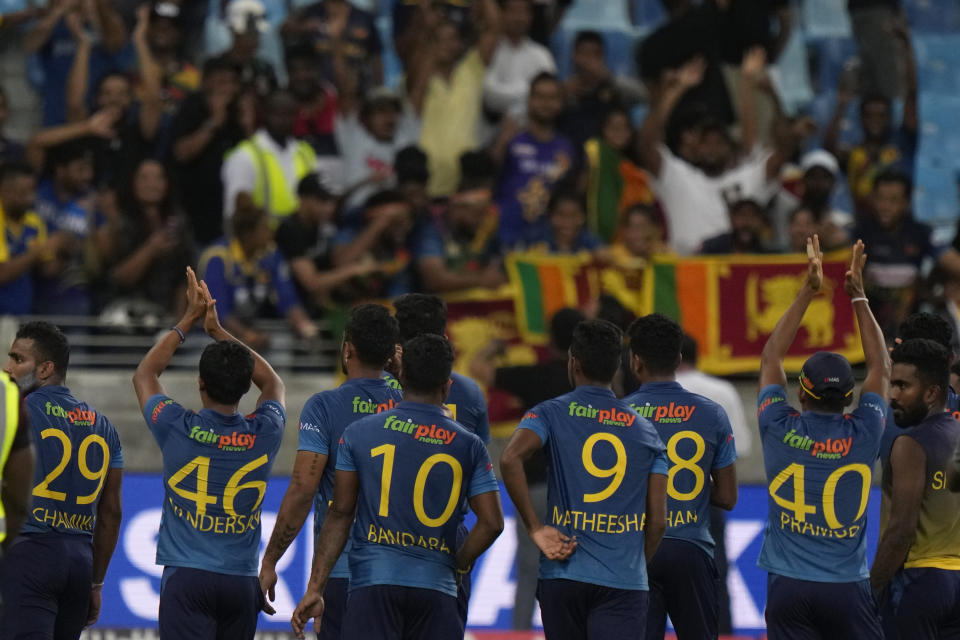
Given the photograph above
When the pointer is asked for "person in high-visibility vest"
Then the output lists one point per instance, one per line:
(270, 164)
(16, 461)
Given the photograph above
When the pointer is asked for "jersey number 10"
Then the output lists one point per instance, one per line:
(419, 486)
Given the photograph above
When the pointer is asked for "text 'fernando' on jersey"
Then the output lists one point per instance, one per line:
(601, 454)
(699, 439)
(819, 467)
(215, 472)
(76, 446)
(415, 467)
(322, 422)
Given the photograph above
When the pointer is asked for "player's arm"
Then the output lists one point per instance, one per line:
(264, 377)
(875, 352)
(18, 479)
(771, 360)
(908, 463)
(723, 487)
(308, 469)
(656, 516)
(330, 544)
(524, 443)
(489, 525)
(105, 535)
(146, 379)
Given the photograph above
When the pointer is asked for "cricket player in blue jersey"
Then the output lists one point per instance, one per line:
(405, 473)
(369, 341)
(421, 314)
(216, 463)
(684, 582)
(916, 572)
(606, 496)
(819, 468)
(927, 326)
(54, 571)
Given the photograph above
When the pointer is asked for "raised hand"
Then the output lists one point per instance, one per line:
(754, 63)
(196, 306)
(853, 282)
(211, 322)
(691, 73)
(814, 263)
(554, 544)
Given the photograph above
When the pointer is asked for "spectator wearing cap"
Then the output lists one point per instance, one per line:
(53, 40)
(270, 164)
(317, 108)
(814, 193)
(386, 238)
(306, 241)
(250, 280)
(445, 87)
(164, 35)
(251, 28)
(533, 162)
(899, 246)
(247, 23)
(205, 128)
(459, 248)
(369, 133)
(336, 27)
(748, 223)
(516, 61)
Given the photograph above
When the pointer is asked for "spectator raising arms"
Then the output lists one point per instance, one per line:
(881, 147)
(249, 280)
(445, 86)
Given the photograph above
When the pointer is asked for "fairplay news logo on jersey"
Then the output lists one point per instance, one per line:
(665, 413)
(428, 433)
(612, 417)
(235, 441)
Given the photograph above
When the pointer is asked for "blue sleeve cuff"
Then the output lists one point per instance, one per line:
(660, 464)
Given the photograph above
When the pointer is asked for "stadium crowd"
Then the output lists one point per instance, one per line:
(264, 143)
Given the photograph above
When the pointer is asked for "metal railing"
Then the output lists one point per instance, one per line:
(95, 343)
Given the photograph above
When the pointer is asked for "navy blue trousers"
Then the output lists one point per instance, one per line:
(806, 610)
(389, 612)
(923, 603)
(574, 610)
(203, 605)
(684, 583)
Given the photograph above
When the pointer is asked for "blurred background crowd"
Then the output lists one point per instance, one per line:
(308, 155)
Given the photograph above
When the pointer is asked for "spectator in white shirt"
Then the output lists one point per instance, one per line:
(516, 61)
(695, 186)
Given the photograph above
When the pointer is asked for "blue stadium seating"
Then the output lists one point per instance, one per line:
(619, 43)
(647, 14)
(825, 19)
(392, 69)
(599, 14)
(933, 16)
(937, 63)
(938, 158)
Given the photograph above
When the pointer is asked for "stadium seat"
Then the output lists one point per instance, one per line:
(647, 14)
(938, 159)
(830, 55)
(937, 68)
(933, 16)
(792, 75)
(825, 19)
(392, 69)
(599, 14)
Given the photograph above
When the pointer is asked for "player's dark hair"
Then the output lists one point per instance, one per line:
(597, 345)
(895, 176)
(49, 343)
(929, 326)
(226, 368)
(12, 170)
(930, 358)
(657, 340)
(689, 350)
(589, 36)
(411, 165)
(220, 64)
(419, 314)
(426, 364)
(373, 332)
(562, 325)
